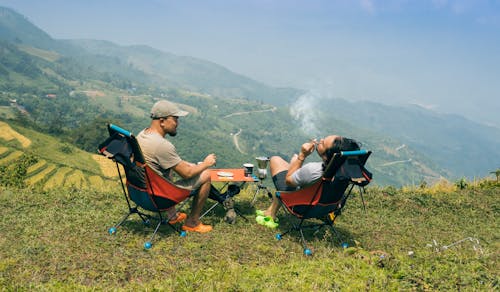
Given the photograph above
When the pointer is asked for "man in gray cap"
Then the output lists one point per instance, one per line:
(162, 156)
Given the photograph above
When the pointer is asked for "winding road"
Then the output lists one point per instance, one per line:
(235, 140)
(249, 112)
(235, 136)
(396, 162)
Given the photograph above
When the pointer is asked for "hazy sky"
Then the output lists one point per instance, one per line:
(442, 54)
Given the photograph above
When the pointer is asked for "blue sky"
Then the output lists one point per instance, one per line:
(441, 54)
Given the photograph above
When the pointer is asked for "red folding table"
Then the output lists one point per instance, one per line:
(228, 176)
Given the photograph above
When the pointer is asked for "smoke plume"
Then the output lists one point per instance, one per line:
(305, 109)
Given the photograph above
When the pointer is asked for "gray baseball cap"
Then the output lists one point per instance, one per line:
(164, 108)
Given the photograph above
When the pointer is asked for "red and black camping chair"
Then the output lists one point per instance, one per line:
(147, 193)
(325, 199)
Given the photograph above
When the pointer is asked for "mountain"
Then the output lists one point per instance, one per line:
(71, 88)
(17, 29)
(187, 73)
(460, 146)
(162, 69)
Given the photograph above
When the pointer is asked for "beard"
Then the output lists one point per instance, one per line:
(172, 134)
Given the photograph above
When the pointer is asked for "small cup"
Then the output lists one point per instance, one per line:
(248, 167)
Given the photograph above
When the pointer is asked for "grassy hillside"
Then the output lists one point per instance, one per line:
(81, 106)
(237, 130)
(55, 164)
(435, 238)
(71, 89)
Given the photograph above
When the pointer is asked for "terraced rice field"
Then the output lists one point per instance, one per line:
(11, 156)
(44, 174)
(108, 167)
(8, 134)
(50, 175)
(57, 179)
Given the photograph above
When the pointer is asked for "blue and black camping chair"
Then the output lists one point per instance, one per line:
(326, 198)
(144, 190)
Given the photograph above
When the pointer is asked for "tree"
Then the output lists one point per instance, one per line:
(89, 134)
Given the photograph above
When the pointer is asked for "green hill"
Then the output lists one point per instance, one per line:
(70, 89)
(17, 29)
(168, 70)
(28, 158)
(78, 111)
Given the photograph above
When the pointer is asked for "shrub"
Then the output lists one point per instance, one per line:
(67, 149)
(461, 183)
(15, 173)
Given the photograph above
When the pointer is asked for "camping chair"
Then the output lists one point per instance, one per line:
(148, 190)
(326, 198)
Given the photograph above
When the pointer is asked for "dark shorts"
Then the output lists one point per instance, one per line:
(280, 184)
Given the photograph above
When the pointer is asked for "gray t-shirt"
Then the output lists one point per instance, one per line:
(160, 154)
(308, 173)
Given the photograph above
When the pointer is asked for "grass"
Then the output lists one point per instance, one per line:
(58, 240)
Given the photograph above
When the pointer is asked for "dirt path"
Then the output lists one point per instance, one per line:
(250, 112)
(396, 162)
(235, 140)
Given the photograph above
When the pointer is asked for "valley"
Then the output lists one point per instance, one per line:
(70, 90)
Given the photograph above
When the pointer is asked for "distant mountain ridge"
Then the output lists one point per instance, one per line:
(163, 69)
(410, 144)
(17, 29)
(463, 147)
(188, 73)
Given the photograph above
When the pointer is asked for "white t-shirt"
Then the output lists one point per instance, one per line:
(308, 173)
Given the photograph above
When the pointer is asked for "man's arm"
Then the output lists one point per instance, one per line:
(188, 170)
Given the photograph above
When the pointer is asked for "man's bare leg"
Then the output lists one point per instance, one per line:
(199, 200)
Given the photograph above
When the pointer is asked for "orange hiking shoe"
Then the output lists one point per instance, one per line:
(180, 217)
(201, 228)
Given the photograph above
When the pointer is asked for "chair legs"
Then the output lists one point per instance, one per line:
(300, 227)
(146, 220)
